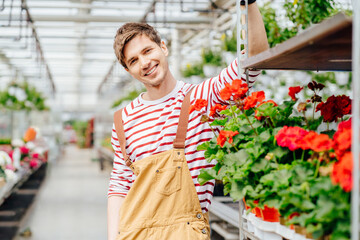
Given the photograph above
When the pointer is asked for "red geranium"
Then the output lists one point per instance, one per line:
(293, 91)
(253, 99)
(237, 89)
(223, 135)
(316, 142)
(290, 136)
(342, 138)
(257, 116)
(335, 107)
(226, 92)
(342, 172)
(199, 104)
(216, 108)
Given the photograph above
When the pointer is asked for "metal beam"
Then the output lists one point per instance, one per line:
(117, 19)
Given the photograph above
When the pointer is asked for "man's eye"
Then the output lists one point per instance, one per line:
(132, 61)
(147, 50)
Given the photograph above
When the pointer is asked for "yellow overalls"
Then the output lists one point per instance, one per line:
(162, 203)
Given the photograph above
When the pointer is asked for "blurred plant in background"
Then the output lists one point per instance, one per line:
(22, 97)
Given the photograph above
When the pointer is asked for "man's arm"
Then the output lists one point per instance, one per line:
(257, 35)
(114, 205)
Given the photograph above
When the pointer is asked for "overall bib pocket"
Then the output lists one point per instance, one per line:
(168, 180)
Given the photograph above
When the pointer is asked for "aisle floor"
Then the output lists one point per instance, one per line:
(71, 204)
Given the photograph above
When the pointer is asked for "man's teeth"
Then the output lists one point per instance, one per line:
(151, 71)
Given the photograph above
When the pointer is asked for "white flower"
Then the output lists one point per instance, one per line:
(4, 159)
(10, 175)
(17, 142)
(30, 145)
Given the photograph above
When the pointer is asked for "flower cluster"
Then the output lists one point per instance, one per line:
(267, 154)
(334, 108)
(298, 138)
(342, 169)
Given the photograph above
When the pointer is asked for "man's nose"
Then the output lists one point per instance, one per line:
(145, 62)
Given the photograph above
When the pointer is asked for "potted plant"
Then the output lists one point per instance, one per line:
(272, 155)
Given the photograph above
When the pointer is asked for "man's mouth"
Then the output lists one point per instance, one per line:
(151, 70)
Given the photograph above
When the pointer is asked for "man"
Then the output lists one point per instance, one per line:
(154, 182)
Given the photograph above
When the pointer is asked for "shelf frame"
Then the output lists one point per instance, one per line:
(355, 121)
(309, 50)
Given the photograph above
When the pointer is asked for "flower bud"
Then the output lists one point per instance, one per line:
(301, 107)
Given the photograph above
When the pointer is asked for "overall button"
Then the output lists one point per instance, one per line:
(198, 215)
(203, 231)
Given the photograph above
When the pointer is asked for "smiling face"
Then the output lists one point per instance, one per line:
(147, 61)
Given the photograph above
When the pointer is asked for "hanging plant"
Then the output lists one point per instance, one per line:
(22, 97)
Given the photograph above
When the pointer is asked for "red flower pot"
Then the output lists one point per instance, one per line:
(256, 210)
(270, 214)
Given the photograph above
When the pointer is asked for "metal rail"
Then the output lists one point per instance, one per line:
(355, 120)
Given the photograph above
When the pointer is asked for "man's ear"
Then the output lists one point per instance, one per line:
(164, 48)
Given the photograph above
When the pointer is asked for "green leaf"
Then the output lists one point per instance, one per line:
(219, 122)
(267, 109)
(203, 146)
(260, 166)
(238, 158)
(206, 175)
(265, 136)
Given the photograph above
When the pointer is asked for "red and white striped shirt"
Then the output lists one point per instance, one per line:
(150, 128)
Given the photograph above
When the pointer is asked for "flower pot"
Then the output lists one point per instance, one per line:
(270, 214)
(302, 231)
(282, 221)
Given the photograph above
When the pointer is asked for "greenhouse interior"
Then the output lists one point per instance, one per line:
(266, 154)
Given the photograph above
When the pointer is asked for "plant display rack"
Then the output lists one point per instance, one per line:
(12, 185)
(333, 45)
(106, 156)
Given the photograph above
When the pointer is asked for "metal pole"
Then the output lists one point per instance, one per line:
(355, 120)
(241, 41)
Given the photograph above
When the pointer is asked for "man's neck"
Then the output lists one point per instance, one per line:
(157, 92)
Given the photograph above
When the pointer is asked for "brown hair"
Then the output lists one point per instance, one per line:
(129, 31)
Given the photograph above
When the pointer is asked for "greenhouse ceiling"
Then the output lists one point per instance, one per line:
(64, 48)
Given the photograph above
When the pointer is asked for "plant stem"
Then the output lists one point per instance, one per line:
(231, 109)
(271, 122)
(250, 124)
(314, 110)
(234, 146)
(212, 130)
(306, 121)
(302, 155)
(317, 168)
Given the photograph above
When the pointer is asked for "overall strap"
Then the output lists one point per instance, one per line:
(119, 128)
(179, 142)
